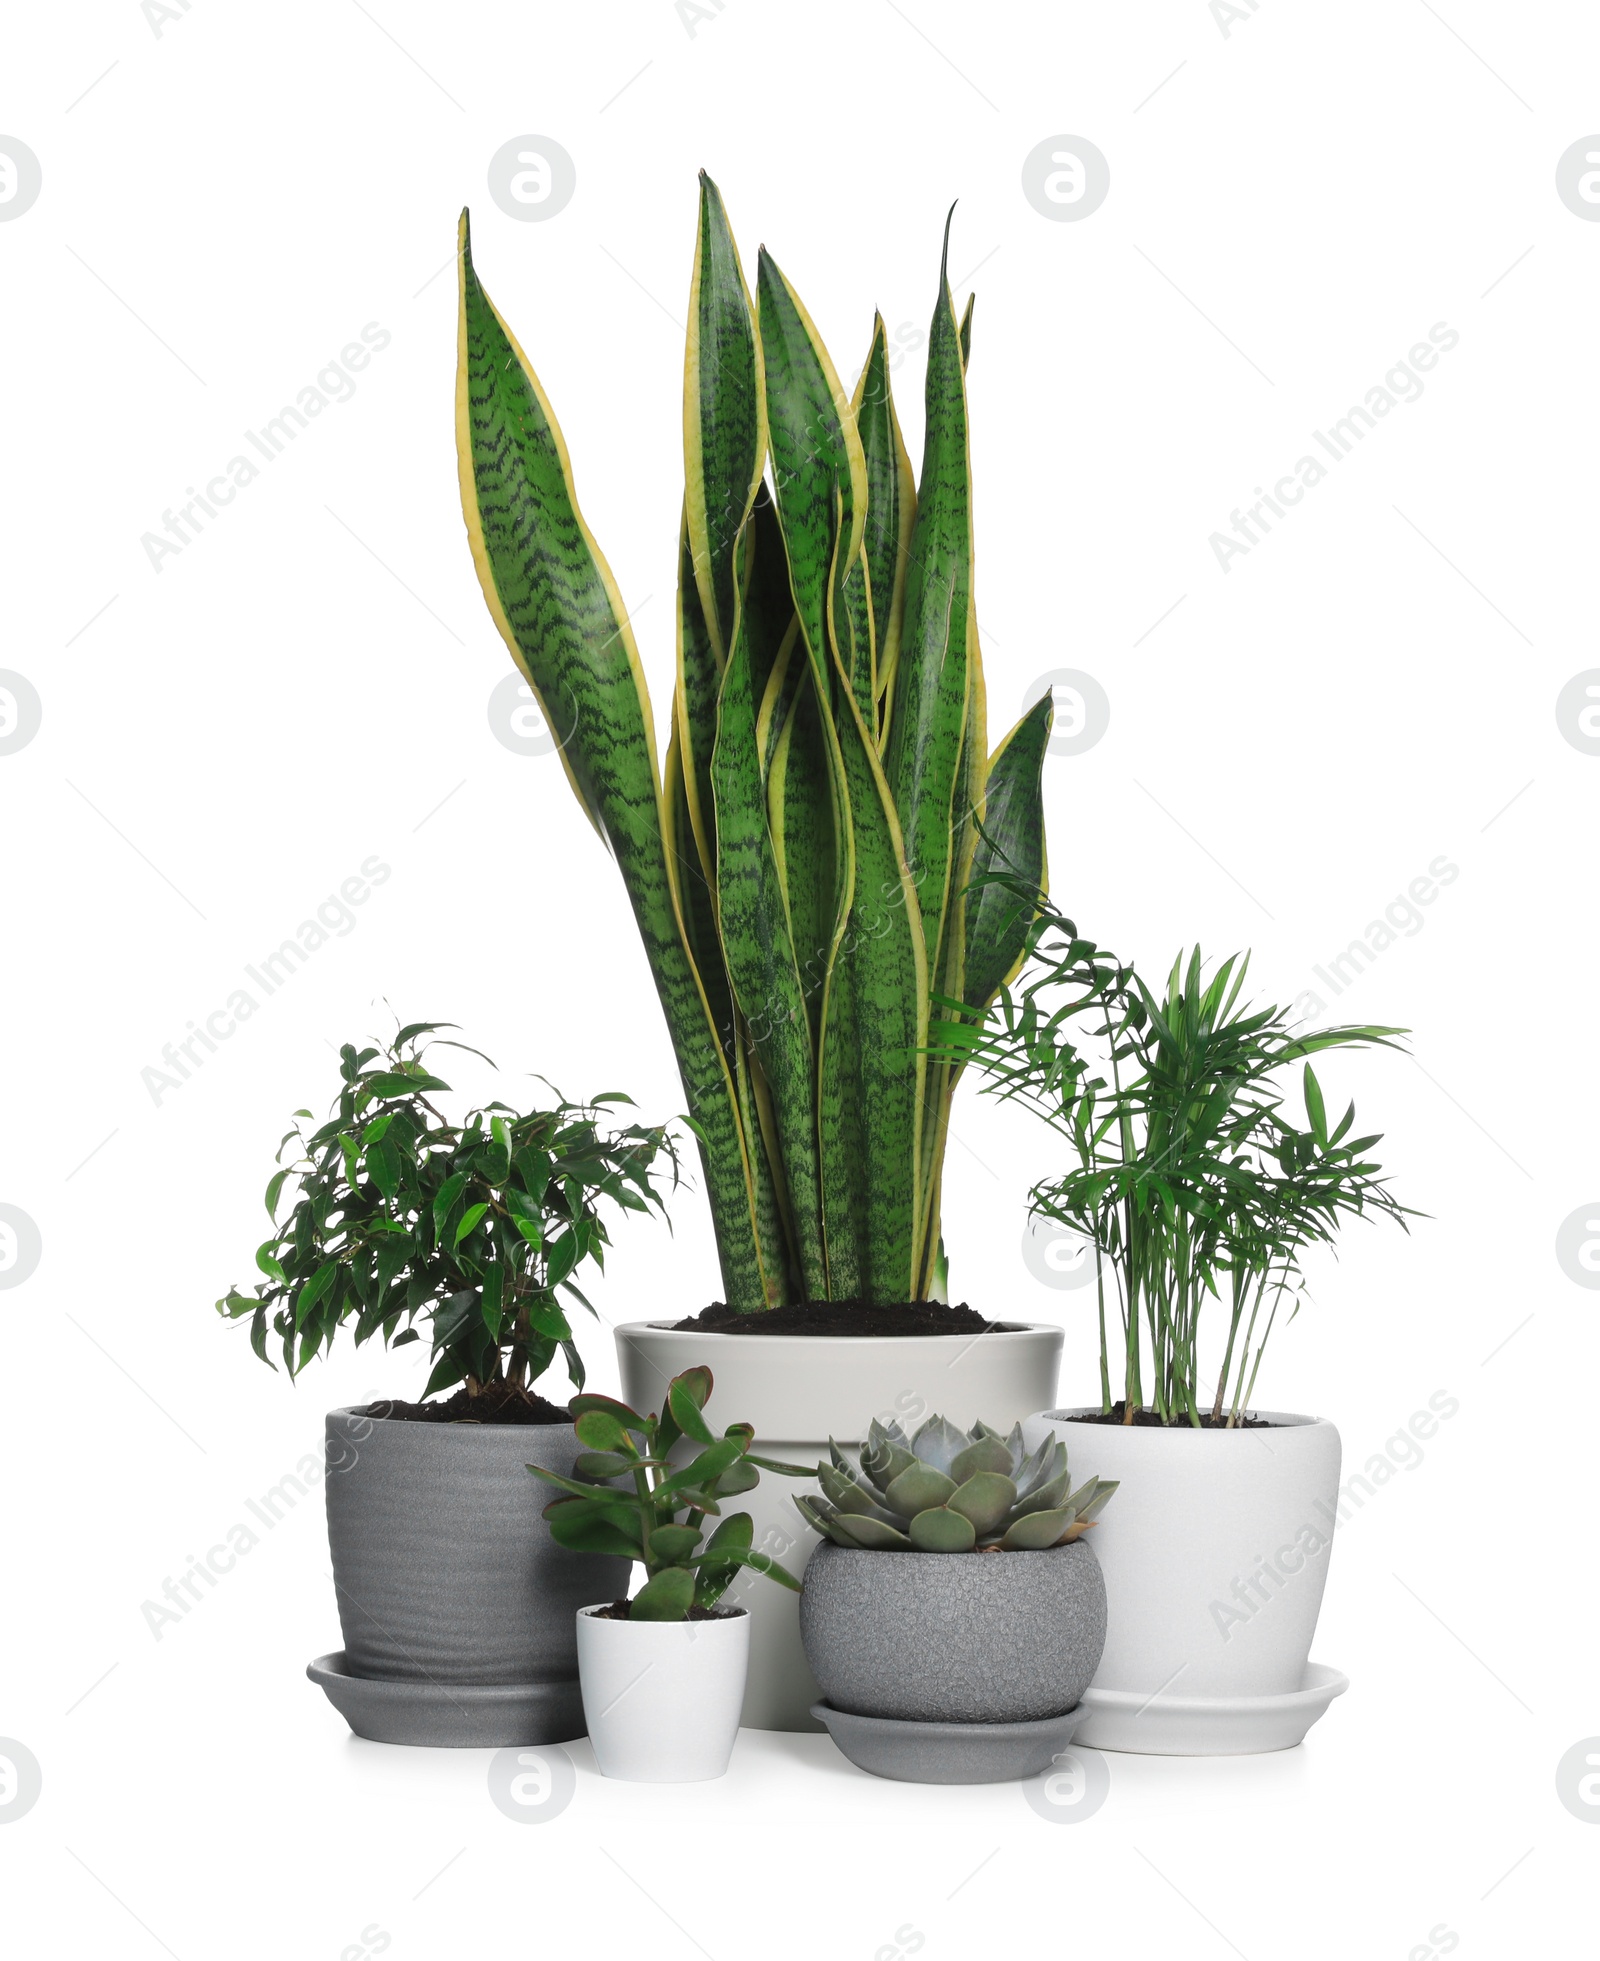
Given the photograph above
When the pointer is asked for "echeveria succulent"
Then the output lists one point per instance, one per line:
(945, 1490)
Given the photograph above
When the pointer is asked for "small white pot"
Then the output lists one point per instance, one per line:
(1215, 1553)
(661, 1698)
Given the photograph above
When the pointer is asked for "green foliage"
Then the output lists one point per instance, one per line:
(476, 1228)
(658, 1515)
(942, 1491)
(1191, 1180)
(799, 870)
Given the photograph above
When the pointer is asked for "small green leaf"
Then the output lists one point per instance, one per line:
(942, 1530)
(668, 1597)
(676, 1543)
(598, 1429)
(686, 1406)
(469, 1221)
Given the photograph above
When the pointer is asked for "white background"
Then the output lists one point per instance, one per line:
(305, 685)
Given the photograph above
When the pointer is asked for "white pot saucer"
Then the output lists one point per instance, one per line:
(1207, 1726)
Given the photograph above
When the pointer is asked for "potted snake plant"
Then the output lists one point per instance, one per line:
(937, 1667)
(663, 1673)
(1200, 1197)
(455, 1603)
(799, 868)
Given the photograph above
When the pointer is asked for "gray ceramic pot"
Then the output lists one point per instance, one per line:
(448, 1578)
(1009, 1637)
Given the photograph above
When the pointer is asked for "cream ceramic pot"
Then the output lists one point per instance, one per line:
(1215, 1553)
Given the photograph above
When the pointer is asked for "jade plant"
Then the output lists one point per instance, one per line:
(1186, 1172)
(477, 1227)
(630, 1501)
(799, 871)
(943, 1490)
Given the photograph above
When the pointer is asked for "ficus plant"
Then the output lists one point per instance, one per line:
(799, 870)
(629, 1500)
(1198, 1190)
(476, 1228)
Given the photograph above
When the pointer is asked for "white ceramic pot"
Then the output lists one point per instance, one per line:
(1215, 1553)
(800, 1390)
(661, 1698)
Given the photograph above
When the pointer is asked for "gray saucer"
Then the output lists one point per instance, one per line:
(949, 1753)
(440, 1715)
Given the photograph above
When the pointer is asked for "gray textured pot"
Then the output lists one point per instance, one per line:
(447, 1578)
(991, 1637)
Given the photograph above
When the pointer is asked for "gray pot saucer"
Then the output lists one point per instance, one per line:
(949, 1753)
(450, 1715)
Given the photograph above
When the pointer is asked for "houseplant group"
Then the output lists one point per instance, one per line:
(1200, 1198)
(940, 1668)
(800, 870)
(837, 886)
(456, 1606)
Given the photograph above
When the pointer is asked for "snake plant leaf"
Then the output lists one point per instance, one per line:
(917, 1488)
(869, 1533)
(874, 1006)
(966, 333)
(1010, 842)
(667, 1597)
(942, 1530)
(697, 895)
(874, 1032)
(1037, 1530)
(986, 1498)
(873, 1063)
(556, 605)
(891, 507)
(724, 415)
(753, 920)
(802, 822)
(928, 722)
(694, 708)
(817, 463)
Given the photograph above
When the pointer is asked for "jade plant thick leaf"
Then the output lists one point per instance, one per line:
(799, 870)
(945, 1491)
(630, 1500)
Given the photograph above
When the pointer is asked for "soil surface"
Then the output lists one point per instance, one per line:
(499, 1404)
(842, 1318)
(1146, 1419)
(618, 1611)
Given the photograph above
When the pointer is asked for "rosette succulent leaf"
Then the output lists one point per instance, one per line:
(948, 1490)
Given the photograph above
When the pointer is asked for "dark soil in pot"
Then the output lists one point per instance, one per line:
(619, 1611)
(1147, 1419)
(497, 1404)
(843, 1318)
